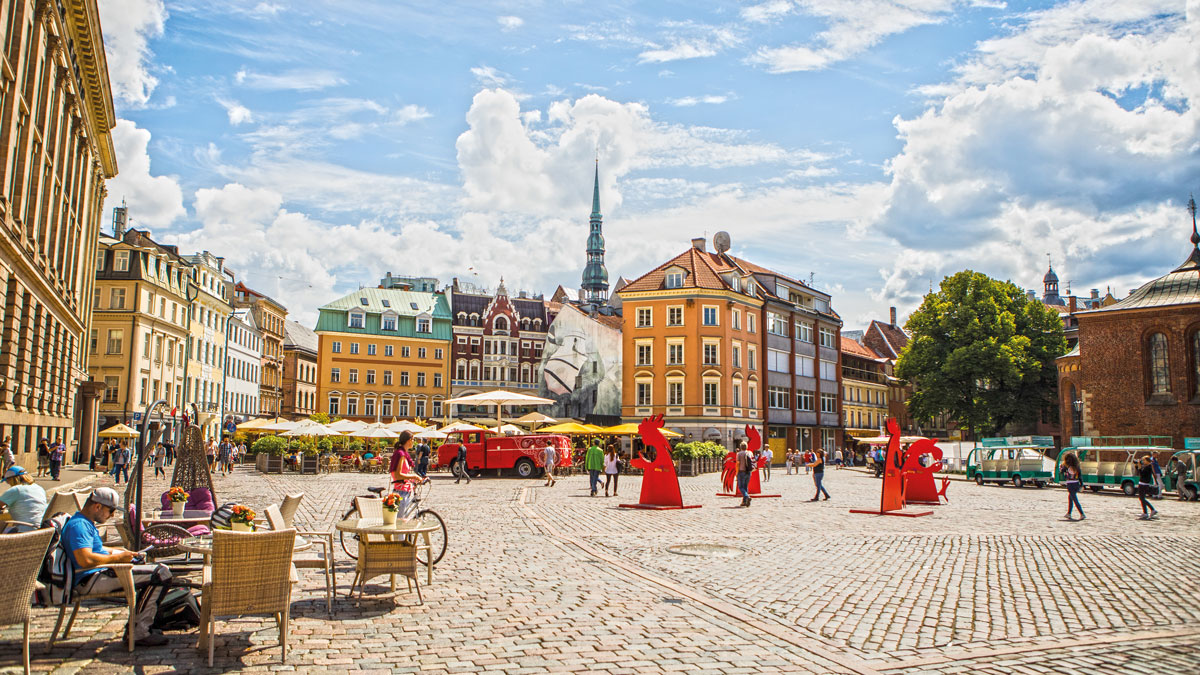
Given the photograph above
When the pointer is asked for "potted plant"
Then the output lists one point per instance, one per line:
(178, 500)
(242, 519)
(391, 503)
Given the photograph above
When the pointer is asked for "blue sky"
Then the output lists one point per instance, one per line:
(877, 145)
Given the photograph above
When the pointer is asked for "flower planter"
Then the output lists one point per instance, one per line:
(389, 517)
(241, 527)
(177, 508)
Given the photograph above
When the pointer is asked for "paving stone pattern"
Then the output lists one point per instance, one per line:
(548, 579)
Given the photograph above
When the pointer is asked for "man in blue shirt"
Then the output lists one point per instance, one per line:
(81, 538)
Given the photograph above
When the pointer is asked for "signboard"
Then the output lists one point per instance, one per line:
(137, 417)
(955, 435)
(1020, 440)
(230, 427)
(993, 442)
(1191, 444)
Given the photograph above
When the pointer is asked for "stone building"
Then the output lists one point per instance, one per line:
(1136, 369)
(865, 390)
(208, 315)
(300, 347)
(243, 368)
(269, 318)
(56, 151)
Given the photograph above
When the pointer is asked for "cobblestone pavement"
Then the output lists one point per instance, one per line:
(548, 579)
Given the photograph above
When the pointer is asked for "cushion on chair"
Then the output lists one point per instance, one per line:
(166, 500)
(200, 499)
(199, 530)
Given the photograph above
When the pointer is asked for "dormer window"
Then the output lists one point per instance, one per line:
(674, 279)
(735, 283)
(750, 288)
(387, 303)
(389, 322)
(424, 324)
(362, 301)
(358, 319)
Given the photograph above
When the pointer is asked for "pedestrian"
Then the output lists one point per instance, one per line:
(765, 457)
(120, 459)
(787, 461)
(612, 469)
(1180, 469)
(160, 460)
(549, 457)
(594, 463)
(210, 453)
(1146, 488)
(818, 474)
(43, 457)
(460, 464)
(1159, 486)
(850, 458)
(837, 458)
(806, 458)
(170, 447)
(6, 456)
(746, 463)
(57, 452)
(1072, 473)
(225, 456)
(423, 453)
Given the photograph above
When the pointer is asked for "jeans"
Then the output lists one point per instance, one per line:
(817, 478)
(743, 484)
(423, 466)
(1145, 491)
(1073, 498)
(594, 479)
(56, 466)
(119, 469)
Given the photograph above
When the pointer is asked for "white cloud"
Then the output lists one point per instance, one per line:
(489, 76)
(238, 113)
(767, 11)
(688, 40)
(510, 22)
(688, 101)
(267, 9)
(129, 25)
(154, 201)
(677, 52)
(297, 79)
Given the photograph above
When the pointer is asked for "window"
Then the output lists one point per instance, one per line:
(674, 393)
(115, 338)
(404, 378)
(675, 354)
(94, 341)
(828, 403)
(116, 298)
(828, 370)
(122, 261)
(371, 376)
(419, 407)
(711, 393)
(674, 316)
(736, 320)
(737, 356)
(336, 347)
(750, 319)
(462, 339)
(353, 347)
(710, 316)
(643, 393)
(351, 406)
(389, 323)
(827, 338)
(751, 391)
(369, 407)
(421, 352)
(402, 407)
(711, 354)
(357, 319)
(354, 376)
(100, 261)
(437, 380)
(460, 370)
(776, 324)
(424, 325)
(420, 379)
(1160, 372)
(388, 350)
(752, 357)
(387, 377)
(439, 354)
(804, 400)
(643, 354)
(371, 349)
(674, 279)
(777, 361)
(804, 365)
(112, 388)
(778, 397)
(385, 407)
(95, 298)
(804, 331)
(437, 409)
(643, 317)
(405, 352)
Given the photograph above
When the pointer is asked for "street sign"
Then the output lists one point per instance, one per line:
(137, 417)
(1191, 444)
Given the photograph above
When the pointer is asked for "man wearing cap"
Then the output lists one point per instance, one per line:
(24, 499)
(81, 538)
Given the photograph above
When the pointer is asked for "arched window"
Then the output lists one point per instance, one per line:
(1160, 371)
(1196, 363)
(500, 323)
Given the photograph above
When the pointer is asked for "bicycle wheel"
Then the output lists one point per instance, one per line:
(349, 539)
(437, 538)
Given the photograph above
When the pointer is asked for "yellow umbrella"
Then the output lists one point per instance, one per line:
(118, 430)
(567, 428)
(631, 429)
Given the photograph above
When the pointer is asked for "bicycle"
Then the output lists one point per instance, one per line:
(424, 517)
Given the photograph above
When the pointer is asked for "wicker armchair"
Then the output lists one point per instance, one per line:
(67, 502)
(251, 573)
(22, 555)
(319, 559)
(377, 558)
(288, 507)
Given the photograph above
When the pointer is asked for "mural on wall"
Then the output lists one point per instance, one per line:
(581, 366)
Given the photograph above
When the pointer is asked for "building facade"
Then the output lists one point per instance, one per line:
(269, 318)
(56, 151)
(207, 344)
(865, 390)
(691, 347)
(384, 354)
(140, 327)
(300, 346)
(1136, 369)
(887, 340)
(243, 366)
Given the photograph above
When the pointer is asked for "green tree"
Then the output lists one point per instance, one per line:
(322, 418)
(982, 353)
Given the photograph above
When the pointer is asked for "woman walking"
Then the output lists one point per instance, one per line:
(160, 461)
(43, 457)
(818, 474)
(1146, 488)
(612, 468)
(1072, 473)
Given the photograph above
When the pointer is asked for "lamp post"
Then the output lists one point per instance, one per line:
(1077, 405)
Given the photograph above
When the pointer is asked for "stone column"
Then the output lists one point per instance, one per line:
(89, 394)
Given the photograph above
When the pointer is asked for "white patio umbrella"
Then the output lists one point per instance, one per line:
(309, 428)
(345, 426)
(499, 398)
(459, 428)
(508, 429)
(281, 425)
(432, 434)
(374, 432)
(535, 418)
(405, 425)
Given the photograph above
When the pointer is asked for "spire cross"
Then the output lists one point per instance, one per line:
(1192, 209)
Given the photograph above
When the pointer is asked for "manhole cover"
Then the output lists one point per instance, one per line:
(706, 550)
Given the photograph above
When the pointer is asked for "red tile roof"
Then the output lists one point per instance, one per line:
(893, 336)
(703, 271)
(852, 347)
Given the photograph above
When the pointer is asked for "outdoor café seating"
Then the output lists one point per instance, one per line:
(22, 555)
(321, 559)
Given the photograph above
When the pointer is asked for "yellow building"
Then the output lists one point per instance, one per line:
(269, 317)
(56, 112)
(140, 324)
(207, 345)
(384, 354)
(864, 390)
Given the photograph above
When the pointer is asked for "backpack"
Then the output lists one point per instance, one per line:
(179, 609)
(57, 573)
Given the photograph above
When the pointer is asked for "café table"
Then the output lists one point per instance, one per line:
(202, 545)
(184, 520)
(406, 528)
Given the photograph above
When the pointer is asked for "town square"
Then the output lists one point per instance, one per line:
(545, 336)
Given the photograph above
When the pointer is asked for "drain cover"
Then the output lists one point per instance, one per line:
(706, 550)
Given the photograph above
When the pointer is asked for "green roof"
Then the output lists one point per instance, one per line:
(376, 302)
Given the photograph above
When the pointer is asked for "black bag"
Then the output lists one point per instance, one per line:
(179, 610)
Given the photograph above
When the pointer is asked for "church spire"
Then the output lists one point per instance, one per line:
(595, 276)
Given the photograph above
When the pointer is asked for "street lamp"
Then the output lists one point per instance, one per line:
(1077, 405)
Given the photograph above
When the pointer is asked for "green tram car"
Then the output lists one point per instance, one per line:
(1189, 487)
(1015, 459)
(1111, 461)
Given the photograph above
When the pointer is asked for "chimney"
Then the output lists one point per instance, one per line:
(698, 243)
(1031, 295)
(893, 313)
(1095, 294)
(1072, 304)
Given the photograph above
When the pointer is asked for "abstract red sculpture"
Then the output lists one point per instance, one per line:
(891, 499)
(729, 474)
(660, 483)
(917, 473)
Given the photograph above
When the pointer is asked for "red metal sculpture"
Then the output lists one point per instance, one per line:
(891, 499)
(729, 474)
(923, 459)
(660, 483)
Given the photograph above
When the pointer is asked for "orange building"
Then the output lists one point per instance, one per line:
(691, 346)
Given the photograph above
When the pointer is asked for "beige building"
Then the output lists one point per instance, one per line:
(56, 112)
(140, 325)
(269, 318)
(206, 346)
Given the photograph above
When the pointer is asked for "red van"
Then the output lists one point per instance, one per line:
(489, 450)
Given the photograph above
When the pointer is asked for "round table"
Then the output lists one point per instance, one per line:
(202, 545)
(405, 528)
(188, 517)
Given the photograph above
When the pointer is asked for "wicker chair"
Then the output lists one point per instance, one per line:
(251, 573)
(377, 558)
(22, 555)
(67, 502)
(321, 559)
(191, 464)
(191, 472)
(289, 506)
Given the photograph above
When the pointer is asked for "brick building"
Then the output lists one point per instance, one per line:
(300, 347)
(1136, 369)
